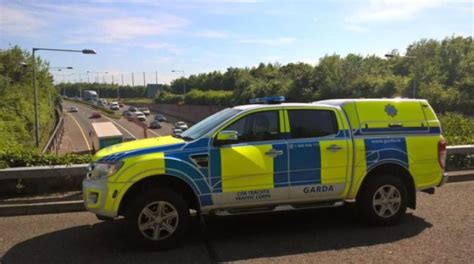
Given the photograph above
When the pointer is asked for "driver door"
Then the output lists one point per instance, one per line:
(254, 168)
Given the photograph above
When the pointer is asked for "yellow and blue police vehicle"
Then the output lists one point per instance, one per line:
(270, 156)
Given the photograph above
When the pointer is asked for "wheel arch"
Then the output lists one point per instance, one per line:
(396, 170)
(177, 184)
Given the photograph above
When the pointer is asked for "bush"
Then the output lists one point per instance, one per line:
(457, 128)
(209, 97)
(18, 157)
(169, 98)
(17, 118)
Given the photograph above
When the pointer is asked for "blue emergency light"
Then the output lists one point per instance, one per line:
(268, 100)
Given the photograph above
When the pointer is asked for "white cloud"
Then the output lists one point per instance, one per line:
(212, 34)
(86, 23)
(390, 10)
(112, 30)
(269, 41)
(375, 11)
(16, 22)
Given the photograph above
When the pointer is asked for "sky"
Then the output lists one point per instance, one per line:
(157, 37)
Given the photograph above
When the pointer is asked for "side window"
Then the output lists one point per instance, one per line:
(312, 123)
(257, 127)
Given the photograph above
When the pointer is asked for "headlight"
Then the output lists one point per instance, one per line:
(104, 169)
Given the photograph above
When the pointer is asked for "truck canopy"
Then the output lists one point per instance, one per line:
(380, 116)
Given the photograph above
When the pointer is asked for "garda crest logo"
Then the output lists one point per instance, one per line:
(391, 110)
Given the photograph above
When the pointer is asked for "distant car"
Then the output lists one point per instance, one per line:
(160, 117)
(155, 124)
(132, 109)
(114, 106)
(127, 113)
(176, 131)
(73, 109)
(95, 115)
(181, 125)
(120, 104)
(145, 110)
(140, 116)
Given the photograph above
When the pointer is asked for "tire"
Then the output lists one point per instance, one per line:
(382, 200)
(172, 220)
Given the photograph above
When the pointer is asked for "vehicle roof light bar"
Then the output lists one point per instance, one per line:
(268, 100)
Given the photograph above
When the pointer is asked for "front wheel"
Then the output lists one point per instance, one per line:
(383, 200)
(158, 218)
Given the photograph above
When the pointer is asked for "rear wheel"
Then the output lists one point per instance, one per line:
(158, 218)
(383, 200)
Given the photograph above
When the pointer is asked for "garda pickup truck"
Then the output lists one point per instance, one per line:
(270, 156)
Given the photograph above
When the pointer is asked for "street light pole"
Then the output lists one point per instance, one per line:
(35, 94)
(415, 77)
(35, 90)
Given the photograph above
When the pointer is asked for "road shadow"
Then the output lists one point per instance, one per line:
(221, 239)
(103, 242)
(309, 231)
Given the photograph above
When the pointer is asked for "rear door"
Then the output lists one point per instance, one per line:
(391, 117)
(318, 154)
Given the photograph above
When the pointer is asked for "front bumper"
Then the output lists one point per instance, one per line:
(97, 197)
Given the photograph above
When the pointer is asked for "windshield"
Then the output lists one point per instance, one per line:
(209, 123)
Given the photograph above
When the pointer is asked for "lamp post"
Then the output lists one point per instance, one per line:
(184, 81)
(416, 70)
(35, 91)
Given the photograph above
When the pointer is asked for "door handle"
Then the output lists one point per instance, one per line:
(273, 153)
(395, 125)
(334, 148)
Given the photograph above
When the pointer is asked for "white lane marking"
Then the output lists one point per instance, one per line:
(154, 132)
(82, 132)
(120, 126)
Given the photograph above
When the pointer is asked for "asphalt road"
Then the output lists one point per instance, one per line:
(78, 125)
(439, 231)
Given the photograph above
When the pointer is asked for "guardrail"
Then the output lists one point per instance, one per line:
(79, 170)
(44, 172)
(461, 149)
(55, 138)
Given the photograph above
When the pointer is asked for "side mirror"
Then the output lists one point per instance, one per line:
(227, 135)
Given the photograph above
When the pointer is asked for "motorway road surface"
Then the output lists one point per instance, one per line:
(78, 125)
(439, 231)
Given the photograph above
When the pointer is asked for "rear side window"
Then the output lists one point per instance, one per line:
(312, 123)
